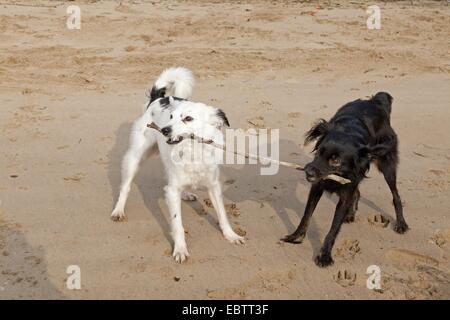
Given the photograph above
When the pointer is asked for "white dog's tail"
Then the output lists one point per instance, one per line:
(177, 82)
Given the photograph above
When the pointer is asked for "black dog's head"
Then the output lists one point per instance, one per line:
(337, 153)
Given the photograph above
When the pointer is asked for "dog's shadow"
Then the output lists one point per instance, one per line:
(150, 180)
(278, 190)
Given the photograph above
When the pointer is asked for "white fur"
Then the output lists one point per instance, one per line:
(178, 82)
(197, 166)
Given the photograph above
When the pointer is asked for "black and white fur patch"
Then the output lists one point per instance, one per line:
(222, 116)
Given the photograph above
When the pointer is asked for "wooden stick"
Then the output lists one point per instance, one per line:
(334, 177)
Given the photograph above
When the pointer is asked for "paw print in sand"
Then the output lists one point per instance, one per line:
(345, 278)
(378, 220)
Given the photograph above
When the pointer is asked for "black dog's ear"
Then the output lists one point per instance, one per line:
(223, 117)
(379, 150)
(320, 129)
(373, 152)
(364, 152)
(362, 161)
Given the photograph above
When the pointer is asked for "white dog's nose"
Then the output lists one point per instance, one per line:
(166, 131)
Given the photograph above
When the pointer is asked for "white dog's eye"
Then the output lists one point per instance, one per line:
(171, 116)
(188, 118)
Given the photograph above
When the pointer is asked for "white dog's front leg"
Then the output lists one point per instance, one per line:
(215, 193)
(173, 200)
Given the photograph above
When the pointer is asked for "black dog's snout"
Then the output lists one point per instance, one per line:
(166, 131)
(311, 171)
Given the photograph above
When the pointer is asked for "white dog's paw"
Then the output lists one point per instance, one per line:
(118, 215)
(188, 196)
(234, 238)
(180, 254)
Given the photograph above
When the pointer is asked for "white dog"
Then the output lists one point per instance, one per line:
(187, 162)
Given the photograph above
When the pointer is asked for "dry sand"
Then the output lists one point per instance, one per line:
(68, 98)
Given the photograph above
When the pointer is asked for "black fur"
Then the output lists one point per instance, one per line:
(358, 134)
(222, 116)
(156, 94)
(165, 102)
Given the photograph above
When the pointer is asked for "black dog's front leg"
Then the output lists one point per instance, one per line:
(314, 196)
(350, 217)
(346, 199)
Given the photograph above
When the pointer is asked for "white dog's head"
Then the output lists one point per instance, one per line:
(194, 118)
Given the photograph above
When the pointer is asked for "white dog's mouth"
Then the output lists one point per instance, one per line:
(175, 140)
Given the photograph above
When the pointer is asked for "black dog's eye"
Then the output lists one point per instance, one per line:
(171, 116)
(334, 161)
(188, 118)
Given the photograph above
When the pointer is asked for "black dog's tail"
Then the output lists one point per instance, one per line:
(384, 100)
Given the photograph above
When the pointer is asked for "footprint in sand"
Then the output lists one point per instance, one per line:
(345, 278)
(378, 220)
(348, 249)
(231, 208)
(241, 232)
(208, 203)
(441, 238)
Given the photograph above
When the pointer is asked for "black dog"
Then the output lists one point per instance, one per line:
(358, 134)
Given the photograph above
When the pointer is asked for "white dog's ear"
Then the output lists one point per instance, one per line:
(222, 118)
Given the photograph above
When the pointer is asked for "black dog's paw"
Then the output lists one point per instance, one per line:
(349, 218)
(293, 238)
(324, 260)
(401, 227)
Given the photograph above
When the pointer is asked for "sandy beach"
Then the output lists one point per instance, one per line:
(68, 99)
